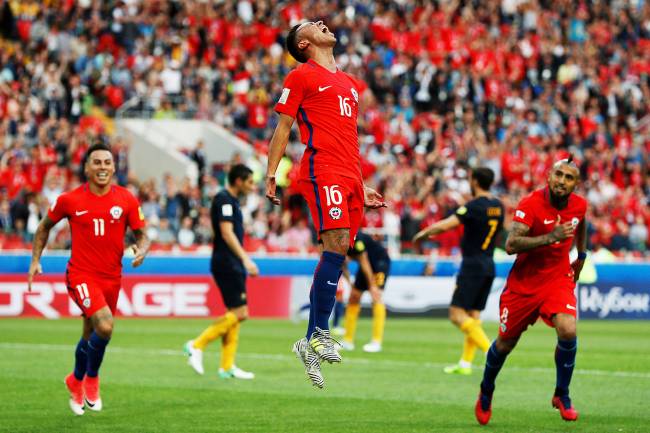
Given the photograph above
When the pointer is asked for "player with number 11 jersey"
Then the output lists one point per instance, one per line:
(99, 214)
(98, 225)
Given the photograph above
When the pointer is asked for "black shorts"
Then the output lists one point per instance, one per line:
(232, 287)
(381, 276)
(472, 291)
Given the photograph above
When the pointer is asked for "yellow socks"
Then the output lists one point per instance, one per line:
(216, 330)
(229, 344)
(350, 321)
(469, 350)
(378, 322)
(473, 331)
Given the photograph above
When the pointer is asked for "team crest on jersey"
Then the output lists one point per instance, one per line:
(574, 222)
(504, 316)
(335, 213)
(355, 94)
(86, 302)
(116, 212)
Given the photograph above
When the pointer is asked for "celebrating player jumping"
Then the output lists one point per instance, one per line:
(542, 281)
(99, 214)
(325, 101)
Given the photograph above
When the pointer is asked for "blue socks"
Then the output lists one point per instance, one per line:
(323, 293)
(339, 311)
(493, 363)
(81, 359)
(565, 360)
(96, 347)
(312, 313)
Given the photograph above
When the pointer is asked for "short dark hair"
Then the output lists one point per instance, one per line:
(97, 146)
(484, 177)
(238, 171)
(292, 45)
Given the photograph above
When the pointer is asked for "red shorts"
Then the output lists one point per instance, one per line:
(91, 293)
(335, 202)
(518, 311)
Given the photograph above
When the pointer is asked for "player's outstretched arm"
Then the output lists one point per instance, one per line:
(140, 247)
(518, 241)
(40, 240)
(438, 227)
(277, 148)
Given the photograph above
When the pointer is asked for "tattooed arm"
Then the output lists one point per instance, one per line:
(519, 241)
(140, 248)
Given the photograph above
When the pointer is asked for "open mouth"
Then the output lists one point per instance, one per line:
(102, 176)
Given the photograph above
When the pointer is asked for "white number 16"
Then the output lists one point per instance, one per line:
(333, 195)
(346, 109)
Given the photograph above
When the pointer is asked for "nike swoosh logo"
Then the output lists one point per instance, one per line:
(320, 89)
(570, 307)
(89, 403)
(82, 212)
(331, 283)
(548, 221)
(569, 365)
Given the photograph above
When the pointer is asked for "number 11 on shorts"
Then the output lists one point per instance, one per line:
(333, 195)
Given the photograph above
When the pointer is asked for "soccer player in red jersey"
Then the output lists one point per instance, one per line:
(325, 101)
(542, 281)
(98, 213)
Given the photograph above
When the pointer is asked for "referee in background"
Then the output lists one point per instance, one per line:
(229, 265)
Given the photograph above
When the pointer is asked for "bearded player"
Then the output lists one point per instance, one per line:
(542, 282)
(325, 101)
(98, 213)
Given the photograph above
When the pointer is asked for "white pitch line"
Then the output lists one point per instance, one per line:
(283, 358)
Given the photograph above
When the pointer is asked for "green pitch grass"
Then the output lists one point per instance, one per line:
(147, 386)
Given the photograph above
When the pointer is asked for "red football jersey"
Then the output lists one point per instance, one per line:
(549, 264)
(98, 225)
(326, 105)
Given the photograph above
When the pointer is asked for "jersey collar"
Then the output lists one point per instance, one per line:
(86, 188)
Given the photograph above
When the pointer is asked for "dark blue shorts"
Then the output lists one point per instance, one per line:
(472, 291)
(232, 287)
(380, 274)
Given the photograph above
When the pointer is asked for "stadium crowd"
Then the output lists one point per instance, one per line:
(510, 84)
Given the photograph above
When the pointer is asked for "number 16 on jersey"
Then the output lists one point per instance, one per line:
(333, 195)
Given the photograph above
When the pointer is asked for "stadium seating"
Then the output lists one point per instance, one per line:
(512, 85)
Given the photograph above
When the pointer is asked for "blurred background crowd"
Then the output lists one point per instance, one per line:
(509, 84)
